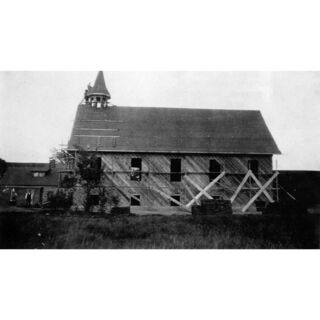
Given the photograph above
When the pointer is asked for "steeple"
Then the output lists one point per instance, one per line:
(98, 95)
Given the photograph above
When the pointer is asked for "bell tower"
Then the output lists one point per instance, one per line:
(97, 96)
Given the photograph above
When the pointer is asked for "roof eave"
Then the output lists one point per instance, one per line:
(181, 152)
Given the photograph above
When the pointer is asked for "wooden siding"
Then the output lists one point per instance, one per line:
(156, 176)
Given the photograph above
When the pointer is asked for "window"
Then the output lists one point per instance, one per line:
(253, 165)
(98, 99)
(136, 167)
(214, 169)
(217, 197)
(175, 170)
(94, 199)
(174, 204)
(135, 200)
(98, 163)
(39, 174)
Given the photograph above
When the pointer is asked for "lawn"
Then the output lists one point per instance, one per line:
(60, 231)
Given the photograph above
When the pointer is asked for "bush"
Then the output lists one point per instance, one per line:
(61, 200)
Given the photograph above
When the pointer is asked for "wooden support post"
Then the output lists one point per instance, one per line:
(257, 195)
(241, 185)
(210, 185)
(197, 186)
(189, 191)
(167, 196)
(260, 186)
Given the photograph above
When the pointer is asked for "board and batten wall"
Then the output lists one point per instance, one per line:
(156, 176)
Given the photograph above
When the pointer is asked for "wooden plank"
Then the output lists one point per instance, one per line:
(90, 129)
(197, 186)
(240, 186)
(257, 195)
(167, 196)
(94, 136)
(210, 185)
(189, 191)
(260, 186)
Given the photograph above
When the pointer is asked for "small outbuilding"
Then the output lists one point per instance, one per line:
(39, 180)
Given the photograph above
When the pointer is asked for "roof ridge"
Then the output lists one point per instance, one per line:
(187, 108)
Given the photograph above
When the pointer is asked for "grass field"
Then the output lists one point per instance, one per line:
(59, 231)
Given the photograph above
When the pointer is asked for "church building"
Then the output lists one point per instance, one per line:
(162, 157)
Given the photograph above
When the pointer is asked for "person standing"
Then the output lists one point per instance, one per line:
(13, 197)
(28, 199)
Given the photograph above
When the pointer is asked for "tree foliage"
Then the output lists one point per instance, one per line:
(89, 173)
(3, 167)
(89, 168)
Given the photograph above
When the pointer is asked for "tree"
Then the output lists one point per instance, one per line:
(89, 169)
(3, 167)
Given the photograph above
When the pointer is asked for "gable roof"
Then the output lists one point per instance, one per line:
(171, 130)
(21, 174)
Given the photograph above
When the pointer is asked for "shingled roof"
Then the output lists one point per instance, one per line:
(171, 130)
(21, 174)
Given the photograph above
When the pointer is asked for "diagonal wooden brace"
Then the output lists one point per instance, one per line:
(241, 185)
(167, 196)
(260, 186)
(210, 185)
(189, 191)
(257, 195)
(198, 187)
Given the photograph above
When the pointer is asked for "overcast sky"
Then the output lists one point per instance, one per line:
(37, 109)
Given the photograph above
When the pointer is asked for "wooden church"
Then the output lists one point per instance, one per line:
(163, 157)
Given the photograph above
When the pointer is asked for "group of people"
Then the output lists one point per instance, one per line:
(14, 197)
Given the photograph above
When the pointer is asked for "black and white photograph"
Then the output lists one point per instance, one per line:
(187, 174)
(159, 159)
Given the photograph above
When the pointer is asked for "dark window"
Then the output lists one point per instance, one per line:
(98, 163)
(217, 197)
(94, 199)
(174, 204)
(175, 170)
(135, 200)
(214, 169)
(136, 167)
(98, 99)
(253, 165)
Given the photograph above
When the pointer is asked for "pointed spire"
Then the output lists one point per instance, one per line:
(100, 87)
(98, 95)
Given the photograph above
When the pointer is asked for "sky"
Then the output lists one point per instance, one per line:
(37, 109)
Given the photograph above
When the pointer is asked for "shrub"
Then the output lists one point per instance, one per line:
(61, 200)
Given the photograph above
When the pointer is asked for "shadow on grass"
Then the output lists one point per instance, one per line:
(58, 231)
